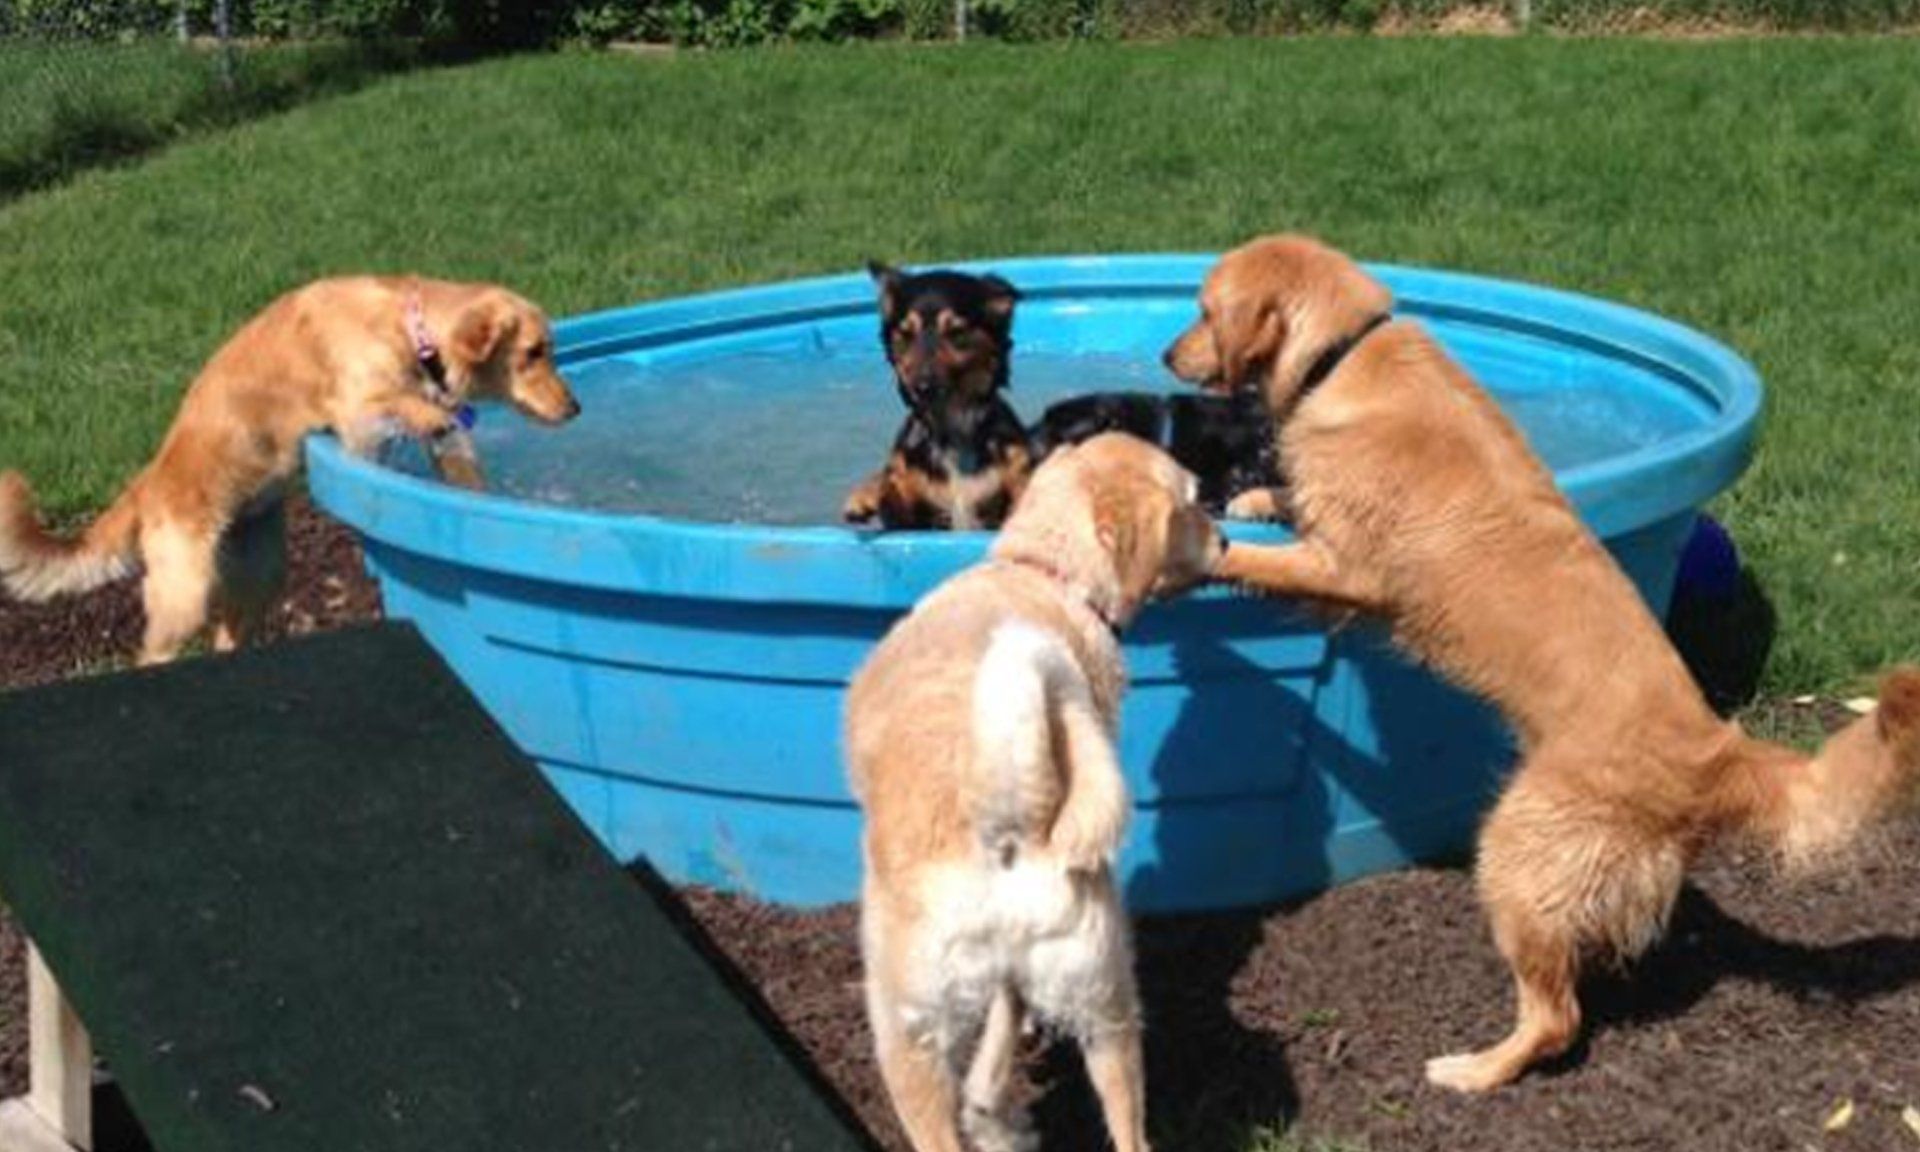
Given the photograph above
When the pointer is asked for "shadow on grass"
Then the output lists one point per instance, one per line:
(77, 107)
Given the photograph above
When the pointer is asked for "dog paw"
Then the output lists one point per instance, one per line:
(1465, 1072)
(1254, 504)
(1005, 1130)
(859, 509)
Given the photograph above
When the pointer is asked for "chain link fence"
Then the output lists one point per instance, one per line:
(84, 82)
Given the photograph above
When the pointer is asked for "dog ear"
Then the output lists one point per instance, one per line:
(1246, 337)
(888, 279)
(1131, 522)
(998, 301)
(482, 329)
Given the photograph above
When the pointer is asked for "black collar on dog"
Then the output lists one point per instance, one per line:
(1322, 368)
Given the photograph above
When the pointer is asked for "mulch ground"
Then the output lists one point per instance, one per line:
(1770, 1002)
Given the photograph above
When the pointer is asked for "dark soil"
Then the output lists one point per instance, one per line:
(1770, 1002)
(327, 587)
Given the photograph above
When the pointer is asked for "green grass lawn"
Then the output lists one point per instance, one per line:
(1765, 191)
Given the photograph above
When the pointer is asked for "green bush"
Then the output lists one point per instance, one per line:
(478, 23)
(488, 24)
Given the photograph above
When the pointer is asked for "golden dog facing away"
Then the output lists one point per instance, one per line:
(362, 356)
(1416, 499)
(979, 741)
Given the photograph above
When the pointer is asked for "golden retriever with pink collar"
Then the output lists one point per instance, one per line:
(361, 356)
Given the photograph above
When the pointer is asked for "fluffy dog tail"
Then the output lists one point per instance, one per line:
(1813, 809)
(36, 565)
(1047, 771)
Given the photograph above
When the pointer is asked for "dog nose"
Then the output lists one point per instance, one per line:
(573, 407)
(1166, 357)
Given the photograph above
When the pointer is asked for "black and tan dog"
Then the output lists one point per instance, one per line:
(1225, 441)
(961, 458)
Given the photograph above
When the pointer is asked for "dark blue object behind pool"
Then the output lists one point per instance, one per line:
(681, 681)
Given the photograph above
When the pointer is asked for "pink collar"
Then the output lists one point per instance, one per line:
(1076, 591)
(425, 351)
(433, 369)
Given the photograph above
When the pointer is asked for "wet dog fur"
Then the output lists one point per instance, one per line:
(1415, 499)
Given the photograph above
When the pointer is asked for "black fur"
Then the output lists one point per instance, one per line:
(1225, 441)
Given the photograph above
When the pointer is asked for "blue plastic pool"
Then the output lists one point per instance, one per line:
(680, 681)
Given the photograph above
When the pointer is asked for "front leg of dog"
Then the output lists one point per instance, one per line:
(1298, 571)
(420, 417)
(863, 503)
(1269, 504)
(456, 460)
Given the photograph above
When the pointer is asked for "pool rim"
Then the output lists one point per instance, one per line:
(851, 567)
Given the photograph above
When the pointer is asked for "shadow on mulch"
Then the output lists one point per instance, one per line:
(1769, 1002)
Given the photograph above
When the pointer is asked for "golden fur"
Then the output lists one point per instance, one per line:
(979, 742)
(1417, 500)
(204, 518)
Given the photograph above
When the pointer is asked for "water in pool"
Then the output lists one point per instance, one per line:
(779, 438)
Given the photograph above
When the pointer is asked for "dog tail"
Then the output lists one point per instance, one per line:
(1813, 809)
(1047, 768)
(36, 565)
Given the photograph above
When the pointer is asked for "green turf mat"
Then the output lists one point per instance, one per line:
(312, 898)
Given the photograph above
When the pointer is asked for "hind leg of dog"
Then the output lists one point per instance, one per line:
(1117, 1069)
(990, 1123)
(1099, 1003)
(1545, 970)
(1557, 882)
(178, 590)
(916, 1063)
(1564, 874)
(919, 1080)
(252, 574)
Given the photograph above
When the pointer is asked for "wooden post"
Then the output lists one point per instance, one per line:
(60, 1056)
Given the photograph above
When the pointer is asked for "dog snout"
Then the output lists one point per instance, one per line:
(1190, 357)
(549, 400)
